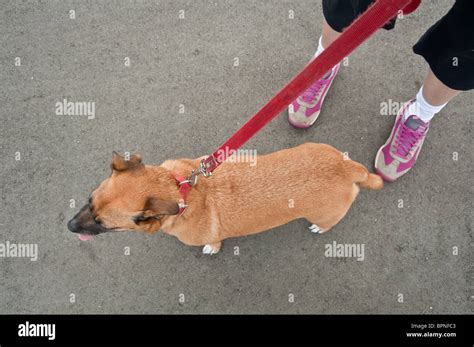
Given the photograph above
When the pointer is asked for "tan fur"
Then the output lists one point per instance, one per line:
(312, 181)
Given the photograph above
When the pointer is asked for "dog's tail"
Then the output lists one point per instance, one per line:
(362, 176)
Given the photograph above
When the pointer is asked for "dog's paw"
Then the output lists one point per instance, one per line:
(208, 249)
(315, 229)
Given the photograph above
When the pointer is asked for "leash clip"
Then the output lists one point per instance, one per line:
(204, 167)
(203, 170)
(191, 180)
(207, 165)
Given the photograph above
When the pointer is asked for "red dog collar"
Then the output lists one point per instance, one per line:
(184, 187)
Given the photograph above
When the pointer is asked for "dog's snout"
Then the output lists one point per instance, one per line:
(78, 222)
(84, 222)
(73, 225)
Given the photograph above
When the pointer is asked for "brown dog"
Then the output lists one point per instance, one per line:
(312, 181)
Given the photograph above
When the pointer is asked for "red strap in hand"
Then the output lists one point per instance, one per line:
(360, 30)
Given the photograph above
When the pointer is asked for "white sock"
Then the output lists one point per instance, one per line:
(422, 109)
(318, 52)
(320, 48)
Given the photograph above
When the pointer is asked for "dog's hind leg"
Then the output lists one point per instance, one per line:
(321, 225)
(324, 226)
(315, 229)
(212, 248)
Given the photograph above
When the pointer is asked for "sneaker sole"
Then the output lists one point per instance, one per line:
(302, 126)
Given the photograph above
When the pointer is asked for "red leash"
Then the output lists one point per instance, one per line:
(360, 30)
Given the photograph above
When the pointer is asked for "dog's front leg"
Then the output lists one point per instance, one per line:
(212, 248)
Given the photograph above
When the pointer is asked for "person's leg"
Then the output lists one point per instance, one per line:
(447, 48)
(304, 111)
(398, 155)
(435, 92)
(328, 34)
(430, 99)
(338, 14)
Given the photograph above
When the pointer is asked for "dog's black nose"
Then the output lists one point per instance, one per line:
(73, 225)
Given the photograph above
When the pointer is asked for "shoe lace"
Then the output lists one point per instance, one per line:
(310, 94)
(408, 138)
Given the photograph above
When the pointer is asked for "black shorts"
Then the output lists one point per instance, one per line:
(448, 46)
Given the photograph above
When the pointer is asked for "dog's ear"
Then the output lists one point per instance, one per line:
(156, 207)
(121, 163)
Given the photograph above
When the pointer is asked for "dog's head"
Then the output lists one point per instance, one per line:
(135, 197)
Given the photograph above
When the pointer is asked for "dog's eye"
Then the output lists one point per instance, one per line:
(97, 220)
(138, 219)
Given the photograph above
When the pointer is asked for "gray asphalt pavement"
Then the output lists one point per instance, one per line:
(49, 159)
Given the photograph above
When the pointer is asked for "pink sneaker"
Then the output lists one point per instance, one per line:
(303, 112)
(398, 155)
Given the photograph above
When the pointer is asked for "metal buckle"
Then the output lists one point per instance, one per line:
(202, 170)
(192, 179)
(205, 165)
(181, 204)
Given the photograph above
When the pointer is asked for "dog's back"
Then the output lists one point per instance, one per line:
(312, 181)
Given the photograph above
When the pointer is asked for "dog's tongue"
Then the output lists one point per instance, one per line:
(84, 237)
